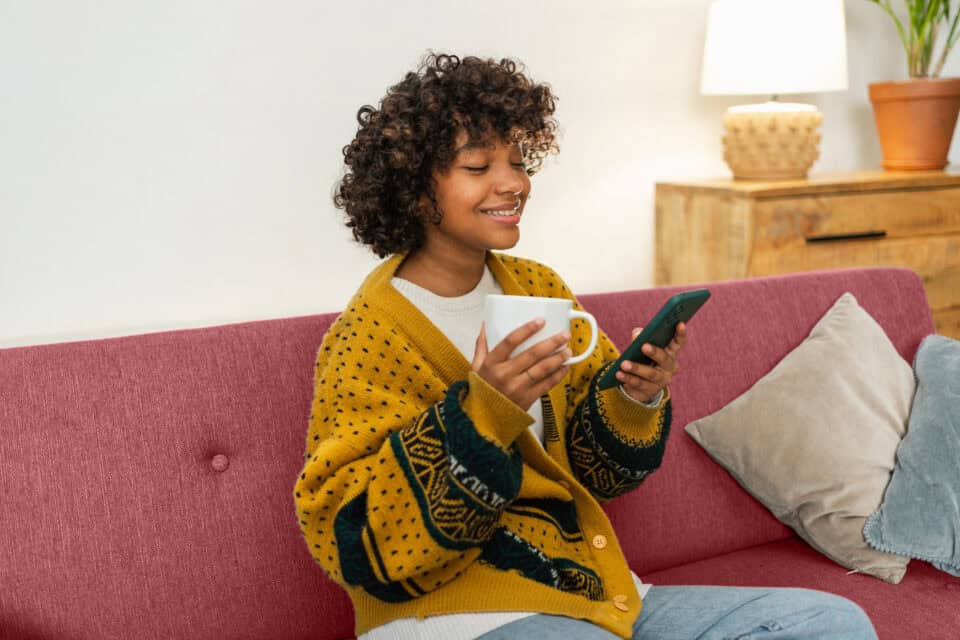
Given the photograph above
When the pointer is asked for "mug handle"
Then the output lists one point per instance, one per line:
(593, 335)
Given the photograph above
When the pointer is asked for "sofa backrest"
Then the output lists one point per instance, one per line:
(146, 488)
(146, 482)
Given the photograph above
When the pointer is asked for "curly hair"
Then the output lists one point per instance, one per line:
(390, 163)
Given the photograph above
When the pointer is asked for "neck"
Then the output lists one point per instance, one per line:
(447, 274)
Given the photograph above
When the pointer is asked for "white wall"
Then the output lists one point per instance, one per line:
(170, 164)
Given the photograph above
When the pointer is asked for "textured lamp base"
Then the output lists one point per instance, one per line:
(773, 142)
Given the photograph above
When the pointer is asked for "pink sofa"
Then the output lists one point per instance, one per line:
(146, 482)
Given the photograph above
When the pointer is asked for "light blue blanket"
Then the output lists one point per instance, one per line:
(920, 513)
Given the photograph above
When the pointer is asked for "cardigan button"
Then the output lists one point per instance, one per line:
(600, 541)
(620, 602)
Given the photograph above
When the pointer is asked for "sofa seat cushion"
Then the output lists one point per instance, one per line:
(923, 605)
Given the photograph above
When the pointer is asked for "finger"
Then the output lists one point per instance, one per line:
(515, 338)
(479, 349)
(551, 381)
(643, 372)
(547, 366)
(679, 338)
(637, 386)
(540, 351)
(636, 331)
(661, 357)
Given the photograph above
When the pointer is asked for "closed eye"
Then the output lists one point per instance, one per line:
(477, 169)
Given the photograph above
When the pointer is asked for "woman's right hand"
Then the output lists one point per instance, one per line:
(528, 375)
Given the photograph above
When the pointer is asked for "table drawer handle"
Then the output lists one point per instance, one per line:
(839, 237)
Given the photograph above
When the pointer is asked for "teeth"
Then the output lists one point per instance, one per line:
(507, 213)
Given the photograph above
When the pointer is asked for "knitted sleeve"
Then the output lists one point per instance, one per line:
(612, 442)
(403, 480)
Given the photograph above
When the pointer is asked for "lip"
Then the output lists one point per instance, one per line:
(507, 213)
(503, 207)
(507, 220)
(496, 214)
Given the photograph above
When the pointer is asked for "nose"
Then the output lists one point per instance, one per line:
(511, 181)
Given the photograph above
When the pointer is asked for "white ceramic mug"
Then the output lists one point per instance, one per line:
(503, 314)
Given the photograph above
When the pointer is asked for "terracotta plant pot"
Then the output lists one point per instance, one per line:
(915, 121)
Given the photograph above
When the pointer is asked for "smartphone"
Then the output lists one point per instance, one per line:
(658, 332)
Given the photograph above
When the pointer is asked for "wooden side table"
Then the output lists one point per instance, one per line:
(723, 229)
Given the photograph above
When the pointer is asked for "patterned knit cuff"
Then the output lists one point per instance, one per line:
(494, 415)
(462, 481)
(620, 409)
(653, 403)
(479, 466)
(628, 435)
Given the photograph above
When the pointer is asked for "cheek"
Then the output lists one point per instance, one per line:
(466, 196)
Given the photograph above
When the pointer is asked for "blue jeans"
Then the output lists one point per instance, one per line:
(715, 613)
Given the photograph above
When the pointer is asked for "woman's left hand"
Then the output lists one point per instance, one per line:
(643, 382)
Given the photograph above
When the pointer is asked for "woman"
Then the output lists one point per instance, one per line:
(454, 490)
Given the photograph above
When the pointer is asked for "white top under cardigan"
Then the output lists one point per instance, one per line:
(459, 318)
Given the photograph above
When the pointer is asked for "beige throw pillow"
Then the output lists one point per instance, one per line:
(814, 440)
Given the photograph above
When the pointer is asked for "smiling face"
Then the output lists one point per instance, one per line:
(481, 196)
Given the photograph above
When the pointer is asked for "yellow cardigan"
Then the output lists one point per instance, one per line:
(423, 491)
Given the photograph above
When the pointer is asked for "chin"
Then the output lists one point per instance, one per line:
(501, 244)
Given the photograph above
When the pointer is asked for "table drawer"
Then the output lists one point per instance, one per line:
(787, 222)
(947, 321)
(936, 259)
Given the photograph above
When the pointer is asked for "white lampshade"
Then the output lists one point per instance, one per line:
(771, 47)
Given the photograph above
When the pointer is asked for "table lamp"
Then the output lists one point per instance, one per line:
(773, 47)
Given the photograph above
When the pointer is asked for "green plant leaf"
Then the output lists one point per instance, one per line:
(920, 33)
(952, 37)
(885, 5)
